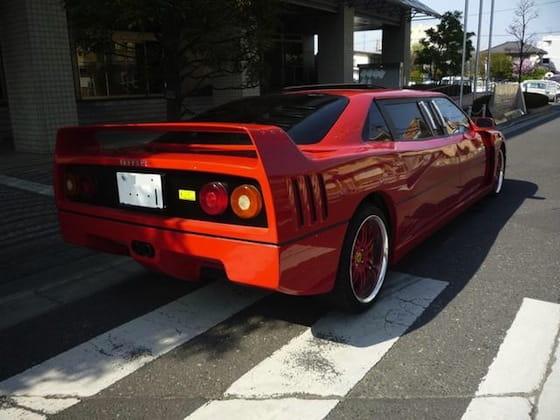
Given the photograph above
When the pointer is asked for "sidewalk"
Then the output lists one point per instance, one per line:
(39, 271)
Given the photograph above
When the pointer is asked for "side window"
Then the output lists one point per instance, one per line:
(408, 122)
(453, 119)
(375, 128)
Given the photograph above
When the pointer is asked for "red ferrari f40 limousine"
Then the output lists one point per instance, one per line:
(312, 191)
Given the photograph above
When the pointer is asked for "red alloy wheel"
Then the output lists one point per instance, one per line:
(369, 259)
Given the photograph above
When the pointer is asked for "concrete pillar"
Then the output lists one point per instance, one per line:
(336, 47)
(309, 59)
(395, 47)
(38, 70)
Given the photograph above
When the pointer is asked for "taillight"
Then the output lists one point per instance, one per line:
(71, 185)
(80, 186)
(214, 198)
(88, 186)
(246, 201)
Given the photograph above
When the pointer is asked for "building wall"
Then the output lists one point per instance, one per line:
(5, 125)
(551, 44)
(38, 71)
(133, 110)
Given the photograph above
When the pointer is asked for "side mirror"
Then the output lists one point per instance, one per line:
(485, 122)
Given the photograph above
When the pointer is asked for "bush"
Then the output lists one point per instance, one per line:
(536, 74)
(535, 100)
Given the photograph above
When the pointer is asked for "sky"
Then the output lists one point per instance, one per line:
(547, 22)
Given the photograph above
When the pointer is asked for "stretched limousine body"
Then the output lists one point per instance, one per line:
(307, 192)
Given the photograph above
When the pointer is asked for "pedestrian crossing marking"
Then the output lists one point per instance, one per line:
(290, 409)
(328, 359)
(520, 367)
(98, 363)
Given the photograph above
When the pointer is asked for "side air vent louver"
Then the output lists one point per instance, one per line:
(323, 196)
(297, 202)
(310, 199)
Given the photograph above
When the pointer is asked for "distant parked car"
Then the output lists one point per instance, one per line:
(544, 87)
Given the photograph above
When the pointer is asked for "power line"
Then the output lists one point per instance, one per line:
(514, 8)
(487, 13)
(532, 33)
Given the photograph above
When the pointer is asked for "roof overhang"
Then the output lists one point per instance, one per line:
(369, 14)
(373, 14)
(419, 7)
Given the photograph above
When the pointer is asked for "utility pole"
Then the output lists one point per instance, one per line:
(477, 57)
(465, 19)
(490, 44)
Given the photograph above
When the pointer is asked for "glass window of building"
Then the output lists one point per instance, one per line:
(132, 68)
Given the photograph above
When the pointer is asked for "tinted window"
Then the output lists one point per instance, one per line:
(454, 120)
(408, 121)
(375, 128)
(307, 118)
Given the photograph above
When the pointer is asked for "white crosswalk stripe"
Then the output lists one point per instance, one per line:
(329, 358)
(308, 376)
(520, 367)
(349, 344)
(91, 367)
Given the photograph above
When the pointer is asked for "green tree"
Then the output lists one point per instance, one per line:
(199, 39)
(442, 48)
(501, 66)
(416, 76)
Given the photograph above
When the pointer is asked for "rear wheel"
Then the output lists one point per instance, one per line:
(363, 261)
(500, 172)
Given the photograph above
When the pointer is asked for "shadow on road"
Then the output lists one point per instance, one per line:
(454, 255)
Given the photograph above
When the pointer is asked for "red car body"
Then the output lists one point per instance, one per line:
(310, 193)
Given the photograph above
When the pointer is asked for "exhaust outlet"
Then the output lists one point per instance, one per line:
(144, 249)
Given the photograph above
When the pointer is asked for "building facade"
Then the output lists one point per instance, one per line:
(46, 82)
(551, 43)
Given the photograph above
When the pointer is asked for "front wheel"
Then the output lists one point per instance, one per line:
(363, 261)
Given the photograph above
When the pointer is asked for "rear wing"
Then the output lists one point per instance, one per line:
(274, 148)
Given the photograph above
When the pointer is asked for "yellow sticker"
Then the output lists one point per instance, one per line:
(187, 195)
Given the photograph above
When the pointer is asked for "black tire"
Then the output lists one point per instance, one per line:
(362, 268)
(500, 172)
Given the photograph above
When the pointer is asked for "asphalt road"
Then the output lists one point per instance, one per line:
(441, 336)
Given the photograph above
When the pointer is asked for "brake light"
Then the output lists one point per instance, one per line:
(80, 186)
(214, 198)
(88, 186)
(246, 201)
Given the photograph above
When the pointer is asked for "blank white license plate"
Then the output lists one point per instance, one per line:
(143, 190)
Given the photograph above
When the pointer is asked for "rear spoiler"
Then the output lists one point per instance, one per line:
(274, 147)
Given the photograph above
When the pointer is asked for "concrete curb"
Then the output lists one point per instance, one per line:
(511, 127)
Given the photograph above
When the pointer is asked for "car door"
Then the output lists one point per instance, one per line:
(470, 146)
(430, 161)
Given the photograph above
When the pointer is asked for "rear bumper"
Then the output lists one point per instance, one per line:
(304, 266)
